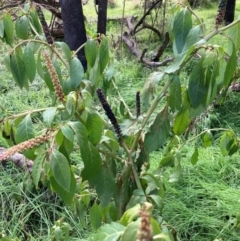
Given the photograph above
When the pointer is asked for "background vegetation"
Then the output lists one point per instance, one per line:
(202, 205)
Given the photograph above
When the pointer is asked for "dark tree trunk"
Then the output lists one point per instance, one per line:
(102, 16)
(74, 28)
(230, 9)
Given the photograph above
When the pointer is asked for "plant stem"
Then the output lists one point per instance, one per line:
(46, 44)
(195, 137)
(149, 113)
(110, 154)
(28, 112)
(121, 99)
(216, 31)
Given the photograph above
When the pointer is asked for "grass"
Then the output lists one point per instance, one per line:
(30, 214)
(202, 205)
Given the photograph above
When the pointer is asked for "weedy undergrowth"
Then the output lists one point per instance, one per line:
(115, 145)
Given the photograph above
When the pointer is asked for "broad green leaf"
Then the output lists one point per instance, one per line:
(207, 139)
(57, 68)
(48, 115)
(22, 27)
(179, 60)
(66, 196)
(111, 140)
(35, 21)
(90, 155)
(59, 138)
(196, 87)
(228, 144)
(67, 148)
(175, 97)
(194, 157)
(153, 183)
(47, 79)
(157, 200)
(103, 54)
(91, 52)
(67, 132)
(1, 29)
(24, 130)
(212, 83)
(150, 87)
(110, 72)
(104, 183)
(159, 132)
(40, 70)
(181, 27)
(29, 63)
(109, 232)
(17, 67)
(34, 46)
(194, 35)
(71, 103)
(82, 139)
(155, 227)
(61, 169)
(95, 216)
(8, 28)
(95, 75)
(131, 232)
(174, 177)
(122, 193)
(182, 121)
(167, 160)
(136, 199)
(86, 197)
(37, 169)
(76, 73)
(230, 68)
(130, 215)
(66, 50)
(234, 34)
(94, 125)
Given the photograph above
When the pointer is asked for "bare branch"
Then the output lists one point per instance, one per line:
(148, 26)
(147, 13)
(131, 44)
(12, 5)
(162, 47)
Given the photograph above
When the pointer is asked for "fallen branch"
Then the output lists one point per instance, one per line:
(120, 19)
(148, 26)
(19, 160)
(131, 44)
(162, 47)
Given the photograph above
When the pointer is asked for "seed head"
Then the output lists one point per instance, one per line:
(109, 113)
(221, 13)
(55, 79)
(145, 229)
(44, 25)
(26, 145)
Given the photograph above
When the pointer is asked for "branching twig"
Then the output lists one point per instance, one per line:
(12, 5)
(148, 26)
(162, 47)
(147, 13)
(133, 47)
